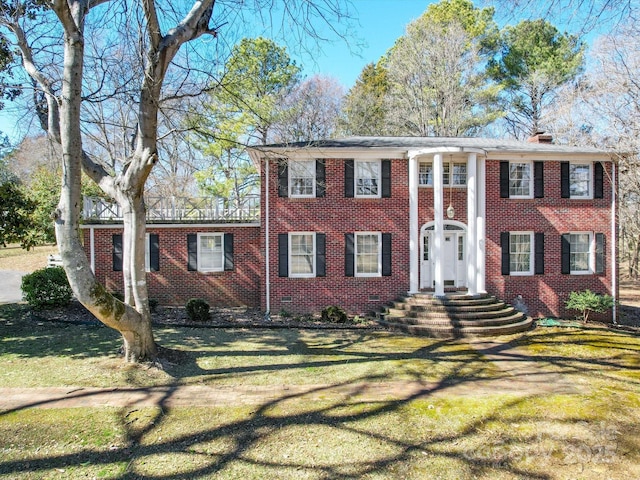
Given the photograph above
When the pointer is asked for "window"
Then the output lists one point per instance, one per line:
(582, 253)
(302, 178)
(460, 248)
(520, 253)
(520, 184)
(580, 180)
(425, 174)
(302, 255)
(368, 254)
(367, 178)
(210, 252)
(580, 246)
(458, 178)
(152, 253)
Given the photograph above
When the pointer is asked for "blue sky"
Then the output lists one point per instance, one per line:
(381, 23)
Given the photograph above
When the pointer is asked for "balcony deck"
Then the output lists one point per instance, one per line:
(177, 210)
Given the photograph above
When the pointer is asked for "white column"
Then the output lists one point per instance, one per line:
(414, 233)
(481, 193)
(438, 223)
(471, 224)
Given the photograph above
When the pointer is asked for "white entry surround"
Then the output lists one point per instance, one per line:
(474, 235)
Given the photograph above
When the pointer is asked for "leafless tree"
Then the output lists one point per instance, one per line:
(53, 40)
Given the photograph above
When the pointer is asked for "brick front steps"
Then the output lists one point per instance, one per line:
(454, 315)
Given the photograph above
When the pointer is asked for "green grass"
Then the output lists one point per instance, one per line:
(590, 434)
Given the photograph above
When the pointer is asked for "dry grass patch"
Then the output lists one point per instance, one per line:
(12, 257)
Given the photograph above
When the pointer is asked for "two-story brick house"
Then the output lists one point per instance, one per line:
(359, 221)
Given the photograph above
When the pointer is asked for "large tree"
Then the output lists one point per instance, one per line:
(436, 75)
(535, 61)
(245, 106)
(365, 105)
(58, 70)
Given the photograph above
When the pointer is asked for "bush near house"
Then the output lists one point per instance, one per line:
(46, 288)
(587, 301)
(197, 310)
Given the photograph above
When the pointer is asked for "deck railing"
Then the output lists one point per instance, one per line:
(172, 209)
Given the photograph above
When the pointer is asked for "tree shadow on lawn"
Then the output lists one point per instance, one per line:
(340, 430)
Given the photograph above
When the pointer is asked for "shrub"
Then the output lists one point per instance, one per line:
(334, 314)
(586, 302)
(46, 288)
(197, 309)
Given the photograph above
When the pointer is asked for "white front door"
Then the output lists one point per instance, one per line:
(453, 259)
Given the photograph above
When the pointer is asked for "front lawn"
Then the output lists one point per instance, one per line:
(506, 429)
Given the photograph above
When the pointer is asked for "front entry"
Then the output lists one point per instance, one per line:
(453, 252)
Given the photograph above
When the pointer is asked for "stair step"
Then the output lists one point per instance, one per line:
(456, 332)
(514, 317)
(454, 315)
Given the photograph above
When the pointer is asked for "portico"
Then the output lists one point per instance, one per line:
(444, 252)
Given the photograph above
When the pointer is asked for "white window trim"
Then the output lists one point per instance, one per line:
(589, 194)
(291, 177)
(447, 184)
(531, 179)
(355, 179)
(313, 256)
(532, 256)
(592, 254)
(211, 234)
(355, 256)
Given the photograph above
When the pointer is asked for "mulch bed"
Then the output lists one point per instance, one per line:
(239, 317)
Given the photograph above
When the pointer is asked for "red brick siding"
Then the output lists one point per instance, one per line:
(545, 295)
(173, 284)
(335, 215)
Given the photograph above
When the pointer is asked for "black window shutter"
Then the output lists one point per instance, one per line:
(565, 253)
(598, 180)
(228, 252)
(283, 179)
(283, 254)
(117, 252)
(321, 257)
(154, 252)
(386, 254)
(538, 179)
(192, 252)
(599, 252)
(348, 178)
(539, 257)
(505, 238)
(321, 180)
(349, 255)
(504, 179)
(386, 179)
(565, 192)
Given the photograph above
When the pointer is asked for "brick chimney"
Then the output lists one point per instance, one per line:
(540, 137)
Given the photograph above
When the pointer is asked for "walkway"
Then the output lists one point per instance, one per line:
(520, 376)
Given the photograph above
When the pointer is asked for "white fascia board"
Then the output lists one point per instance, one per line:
(394, 153)
(550, 156)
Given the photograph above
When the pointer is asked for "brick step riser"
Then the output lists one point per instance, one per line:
(449, 308)
(504, 311)
(446, 303)
(437, 322)
(452, 332)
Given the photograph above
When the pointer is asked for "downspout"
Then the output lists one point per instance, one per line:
(266, 242)
(614, 240)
